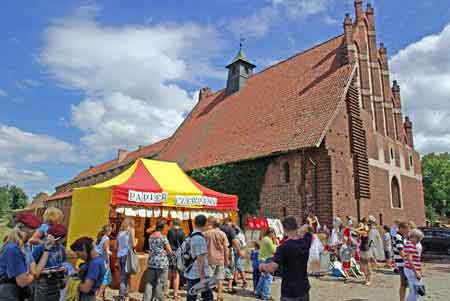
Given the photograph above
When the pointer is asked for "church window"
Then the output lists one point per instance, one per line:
(395, 192)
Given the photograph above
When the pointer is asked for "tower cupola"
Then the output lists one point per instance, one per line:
(239, 71)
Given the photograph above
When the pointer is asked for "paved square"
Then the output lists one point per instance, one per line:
(384, 287)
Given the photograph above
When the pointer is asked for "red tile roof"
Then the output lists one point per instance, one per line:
(145, 151)
(60, 195)
(286, 107)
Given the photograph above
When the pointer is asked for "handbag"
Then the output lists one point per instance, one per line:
(420, 289)
(132, 262)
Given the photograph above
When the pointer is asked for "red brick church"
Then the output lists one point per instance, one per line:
(329, 120)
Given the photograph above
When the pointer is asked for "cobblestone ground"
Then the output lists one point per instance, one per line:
(384, 287)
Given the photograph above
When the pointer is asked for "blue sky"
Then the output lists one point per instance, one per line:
(80, 79)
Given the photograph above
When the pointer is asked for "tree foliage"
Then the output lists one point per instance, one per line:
(11, 198)
(436, 183)
(244, 179)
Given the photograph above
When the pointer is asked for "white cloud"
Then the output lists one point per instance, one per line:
(330, 21)
(13, 176)
(255, 25)
(3, 93)
(259, 23)
(16, 144)
(131, 76)
(423, 71)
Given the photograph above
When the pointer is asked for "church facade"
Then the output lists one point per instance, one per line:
(329, 119)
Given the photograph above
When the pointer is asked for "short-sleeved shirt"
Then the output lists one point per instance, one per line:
(346, 253)
(29, 259)
(398, 246)
(266, 248)
(123, 243)
(176, 238)
(56, 257)
(292, 256)
(387, 242)
(43, 228)
(99, 246)
(95, 271)
(12, 262)
(217, 244)
(411, 249)
(230, 233)
(158, 257)
(198, 247)
(254, 256)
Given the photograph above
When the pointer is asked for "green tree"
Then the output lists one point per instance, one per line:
(4, 200)
(18, 198)
(436, 183)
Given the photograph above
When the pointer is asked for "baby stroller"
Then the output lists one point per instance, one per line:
(337, 270)
(335, 266)
(355, 270)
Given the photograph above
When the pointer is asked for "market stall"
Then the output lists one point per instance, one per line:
(148, 190)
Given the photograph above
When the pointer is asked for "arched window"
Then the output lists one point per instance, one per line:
(395, 190)
(287, 172)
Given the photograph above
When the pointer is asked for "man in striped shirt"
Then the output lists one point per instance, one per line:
(413, 263)
(399, 255)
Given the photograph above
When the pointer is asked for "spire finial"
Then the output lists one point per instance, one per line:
(241, 41)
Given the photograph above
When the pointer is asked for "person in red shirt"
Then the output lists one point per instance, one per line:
(413, 263)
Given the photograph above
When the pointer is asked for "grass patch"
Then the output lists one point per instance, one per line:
(3, 229)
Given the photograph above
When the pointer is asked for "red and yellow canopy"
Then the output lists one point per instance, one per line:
(150, 183)
(146, 184)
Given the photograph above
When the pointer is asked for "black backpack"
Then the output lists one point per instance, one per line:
(183, 254)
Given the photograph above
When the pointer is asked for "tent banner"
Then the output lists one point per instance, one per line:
(146, 197)
(197, 200)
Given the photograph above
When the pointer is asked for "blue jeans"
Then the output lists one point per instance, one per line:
(124, 278)
(256, 276)
(206, 295)
(264, 287)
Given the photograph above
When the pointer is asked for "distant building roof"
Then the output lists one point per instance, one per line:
(141, 152)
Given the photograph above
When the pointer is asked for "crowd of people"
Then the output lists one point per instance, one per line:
(33, 261)
(354, 250)
(34, 265)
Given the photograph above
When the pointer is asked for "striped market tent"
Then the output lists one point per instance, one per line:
(146, 187)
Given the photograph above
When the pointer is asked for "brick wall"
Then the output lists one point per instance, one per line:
(309, 188)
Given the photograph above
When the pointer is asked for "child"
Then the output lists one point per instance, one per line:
(346, 255)
(315, 251)
(413, 263)
(387, 246)
(366, 259)
(255, 264)
(50, 281)
(92, 271)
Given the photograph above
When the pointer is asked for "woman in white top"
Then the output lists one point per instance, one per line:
(125, 242)
(375, 241)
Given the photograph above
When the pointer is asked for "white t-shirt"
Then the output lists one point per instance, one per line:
(387, 242)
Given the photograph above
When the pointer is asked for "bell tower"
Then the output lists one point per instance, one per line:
(239, 71)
